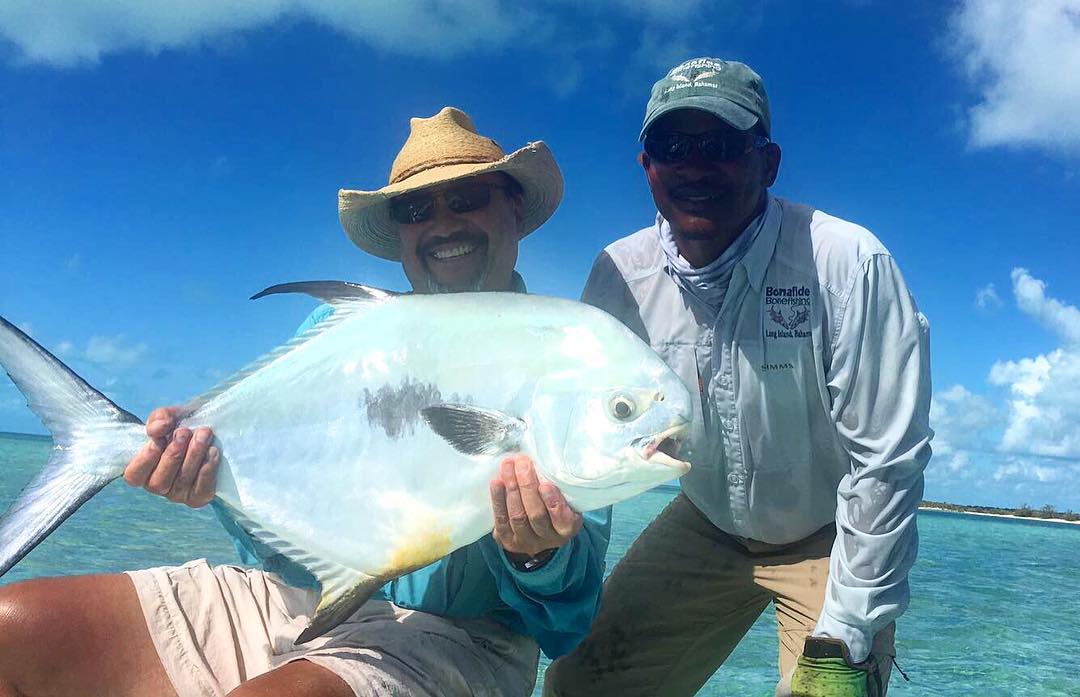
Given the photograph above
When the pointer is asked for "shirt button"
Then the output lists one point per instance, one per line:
(733, 478)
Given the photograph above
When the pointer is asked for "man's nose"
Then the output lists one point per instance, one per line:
(695, 161)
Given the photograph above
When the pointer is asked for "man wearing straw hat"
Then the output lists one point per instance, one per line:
(453, 214)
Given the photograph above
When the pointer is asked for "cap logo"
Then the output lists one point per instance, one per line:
(699, 63)
(694, 78)
(691, 74)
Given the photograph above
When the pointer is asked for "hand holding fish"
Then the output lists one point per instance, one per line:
(177, 463)
(530, 517)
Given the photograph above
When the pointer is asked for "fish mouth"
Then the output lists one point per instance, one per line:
(663, 448)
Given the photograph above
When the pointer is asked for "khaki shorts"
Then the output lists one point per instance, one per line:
(682, 599)
(217, 627)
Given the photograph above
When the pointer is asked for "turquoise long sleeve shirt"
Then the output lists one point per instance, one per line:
(555, 604)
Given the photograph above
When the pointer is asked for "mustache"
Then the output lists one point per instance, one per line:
(698, 187)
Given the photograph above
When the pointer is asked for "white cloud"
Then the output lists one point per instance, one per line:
(112, 351)
(64, 348)
(1044, 411)
(1027, 437)
(963, 421)
(1044, 390)
(70, 32)
(986, 298)
(1021, 469)
(1055, 315)
(1022, 58)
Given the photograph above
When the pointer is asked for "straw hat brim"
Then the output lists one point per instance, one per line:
(365, 215)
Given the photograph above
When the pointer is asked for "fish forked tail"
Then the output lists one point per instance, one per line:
(93, 439)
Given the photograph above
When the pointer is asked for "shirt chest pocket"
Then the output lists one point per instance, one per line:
(774, 400)
(688, 360)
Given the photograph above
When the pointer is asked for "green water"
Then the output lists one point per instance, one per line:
(995, 608)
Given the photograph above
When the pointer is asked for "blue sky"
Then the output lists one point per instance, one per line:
(160, 162)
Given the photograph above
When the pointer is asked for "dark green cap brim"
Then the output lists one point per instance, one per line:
(724, 109)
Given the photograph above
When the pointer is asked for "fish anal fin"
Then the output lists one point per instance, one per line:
(336, 607)
(474, 430)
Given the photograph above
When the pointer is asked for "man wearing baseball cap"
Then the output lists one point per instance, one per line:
(453, 213)
(812, 365)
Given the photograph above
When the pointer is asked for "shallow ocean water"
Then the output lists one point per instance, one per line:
(995, 608)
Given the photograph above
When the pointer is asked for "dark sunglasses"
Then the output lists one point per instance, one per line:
(461, 198)
(714, 146)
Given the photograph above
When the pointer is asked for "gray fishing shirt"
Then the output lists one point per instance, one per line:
(812, 397)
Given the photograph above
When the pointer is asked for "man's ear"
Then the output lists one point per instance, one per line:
(772, 164)
(518, 201)
(643, 159)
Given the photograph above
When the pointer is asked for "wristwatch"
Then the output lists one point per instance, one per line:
(534, 562)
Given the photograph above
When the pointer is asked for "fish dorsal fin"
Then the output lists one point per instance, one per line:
(343, 306)
(473, 430)
(341, 590)
(333, 292)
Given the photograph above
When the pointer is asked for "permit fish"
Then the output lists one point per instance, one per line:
(362, 449)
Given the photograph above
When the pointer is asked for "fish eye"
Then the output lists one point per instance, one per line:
(623, 408)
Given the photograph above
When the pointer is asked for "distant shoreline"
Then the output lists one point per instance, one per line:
(25, 436)
(962, 511)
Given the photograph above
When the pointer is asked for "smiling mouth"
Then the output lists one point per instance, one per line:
(697, 197)
(698, 192)
(454, 250)
(663, 448)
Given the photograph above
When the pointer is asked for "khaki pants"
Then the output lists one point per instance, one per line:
(683, 597)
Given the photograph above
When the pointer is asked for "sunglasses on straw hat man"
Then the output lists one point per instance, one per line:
(455, 207)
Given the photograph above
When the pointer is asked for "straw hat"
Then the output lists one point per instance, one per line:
(440, 149)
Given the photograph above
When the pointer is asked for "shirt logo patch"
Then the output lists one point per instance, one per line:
(789, 308)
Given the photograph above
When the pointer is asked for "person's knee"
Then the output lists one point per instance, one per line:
(18, 616)
(300, 678)
(61, 613)
(19, 627)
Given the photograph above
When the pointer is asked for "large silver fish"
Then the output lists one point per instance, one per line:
(362, 449)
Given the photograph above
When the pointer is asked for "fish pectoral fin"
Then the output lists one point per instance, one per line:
(336, 605)
(333, 292)
(473, 430)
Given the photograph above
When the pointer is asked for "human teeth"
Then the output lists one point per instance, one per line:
(452, 252)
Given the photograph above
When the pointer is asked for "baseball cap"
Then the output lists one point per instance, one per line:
(729, 90)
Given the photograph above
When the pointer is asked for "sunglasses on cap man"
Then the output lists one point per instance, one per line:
(712, 146)
(464, 197)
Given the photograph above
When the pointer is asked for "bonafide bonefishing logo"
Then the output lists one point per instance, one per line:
(790, 308)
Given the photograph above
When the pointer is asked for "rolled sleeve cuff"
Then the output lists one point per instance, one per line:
(858, 640)
(549, 579)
